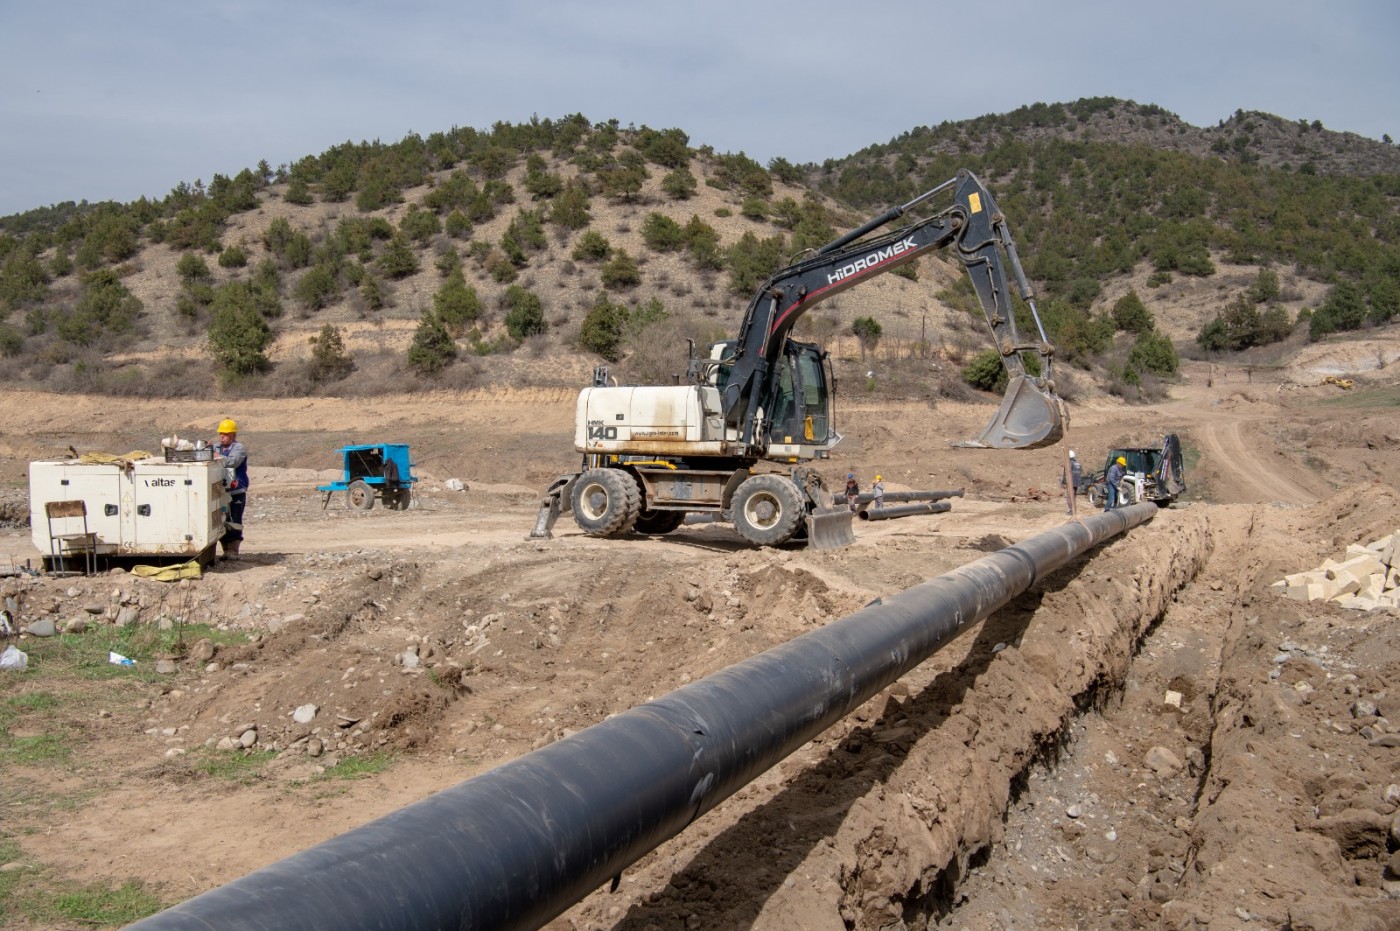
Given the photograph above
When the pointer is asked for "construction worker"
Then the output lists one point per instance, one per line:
(852, 491)
(1111, 492)
(878, 492)
(235, 459)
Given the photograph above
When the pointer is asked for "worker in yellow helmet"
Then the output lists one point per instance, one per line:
(1112, 493)
(877, 492)
(234, 456)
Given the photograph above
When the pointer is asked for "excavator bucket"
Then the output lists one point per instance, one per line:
(830, 529)
(1029, 417)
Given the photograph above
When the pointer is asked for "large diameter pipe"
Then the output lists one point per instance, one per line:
(867, 497)
(519, 844)
(904, 510)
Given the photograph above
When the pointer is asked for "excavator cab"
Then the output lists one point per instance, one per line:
(800, 425)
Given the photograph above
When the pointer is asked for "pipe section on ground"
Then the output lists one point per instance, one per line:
(904, 510)
(867, 497)
(519, 844)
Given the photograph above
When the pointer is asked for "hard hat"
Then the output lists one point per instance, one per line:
(877, 478)
(228, 426)
(1071, 454)
(1121, 461)
(850, 475)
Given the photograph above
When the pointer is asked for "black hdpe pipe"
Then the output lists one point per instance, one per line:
(904, 510)
(519, 844)
(867, 497)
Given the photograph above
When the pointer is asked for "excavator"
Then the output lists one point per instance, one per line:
(763, 401)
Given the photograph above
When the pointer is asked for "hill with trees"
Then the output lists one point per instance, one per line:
(529, 253)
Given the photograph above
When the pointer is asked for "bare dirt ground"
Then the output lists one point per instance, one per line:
(1031, 775)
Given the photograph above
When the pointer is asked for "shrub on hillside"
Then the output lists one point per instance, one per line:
(238, 334)
(432, 348)
(601, 331)
(620, 271)
(1130, 314)
(456, 303)
(526, 314)
(329, 360)
(1153, 352)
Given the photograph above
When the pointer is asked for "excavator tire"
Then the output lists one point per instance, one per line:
(658, 522)
(606, 502)
(767, 510)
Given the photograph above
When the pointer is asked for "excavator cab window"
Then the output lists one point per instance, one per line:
(811, 380)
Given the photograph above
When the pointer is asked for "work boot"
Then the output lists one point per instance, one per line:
(231, 549)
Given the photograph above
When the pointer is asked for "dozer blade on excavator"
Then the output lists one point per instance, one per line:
(1029, 417)
(830, 529)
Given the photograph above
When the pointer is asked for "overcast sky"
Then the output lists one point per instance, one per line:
(107, 100)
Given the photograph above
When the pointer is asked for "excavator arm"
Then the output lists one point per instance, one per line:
(1030, 415)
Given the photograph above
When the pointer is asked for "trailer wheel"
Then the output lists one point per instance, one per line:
(606, 502)
(658, 522)
(397, 499)
(1096, 495)
(359, 496)
(767, 510)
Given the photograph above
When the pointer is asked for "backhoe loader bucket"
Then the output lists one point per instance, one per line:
(1029, 417)
(830, 530)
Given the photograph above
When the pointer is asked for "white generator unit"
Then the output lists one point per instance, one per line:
(143, 507)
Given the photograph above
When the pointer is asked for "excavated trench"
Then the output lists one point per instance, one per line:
(889, 819)
(1148, 738)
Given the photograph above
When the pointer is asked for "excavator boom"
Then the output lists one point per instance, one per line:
(1031, 415)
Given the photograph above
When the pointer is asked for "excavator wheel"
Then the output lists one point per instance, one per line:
(658, 522)
(606, 502)
(767, 510)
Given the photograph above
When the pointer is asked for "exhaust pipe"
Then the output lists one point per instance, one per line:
(904, 510)
(517, 845)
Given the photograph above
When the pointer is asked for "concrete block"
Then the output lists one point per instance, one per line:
(1392, 577)
(1372, 586)
(1346, 584)
(1357, 566)
(1353, 603)
(1321, 591)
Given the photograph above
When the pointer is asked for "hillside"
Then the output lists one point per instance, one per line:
(1254, 220)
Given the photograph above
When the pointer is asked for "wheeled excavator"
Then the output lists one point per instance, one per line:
(762, 401)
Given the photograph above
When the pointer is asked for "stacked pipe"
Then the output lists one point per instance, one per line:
(866, 497)
(904, 510)
(519, 844)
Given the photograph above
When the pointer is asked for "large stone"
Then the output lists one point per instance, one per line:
(42, 628)
(1359, 832)
(1163, 762)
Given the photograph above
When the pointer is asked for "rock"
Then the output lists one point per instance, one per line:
(227, 743)
(128, 615)
(166, 667)
(1360, 833)
(1387, 740)
(1163, 762)
(1395, 830)
(203, 650)
(1392, 794)
(305, 714)
(314, 747)
(42, 628)
(248, 738)
(1363, 709)
(76, 626)
(454, 484)
(94, 608)
(1075, 811)
(1392, 866)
